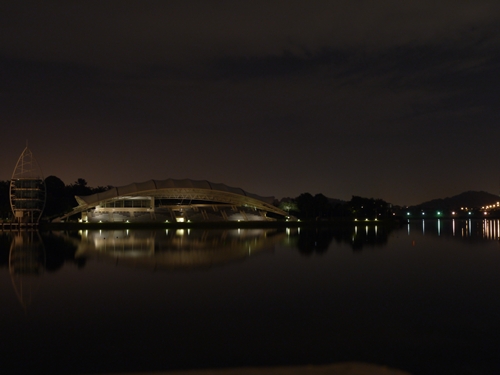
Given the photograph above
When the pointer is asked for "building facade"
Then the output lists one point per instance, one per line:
(174, 201)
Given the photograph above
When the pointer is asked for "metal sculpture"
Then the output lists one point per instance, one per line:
(27, 190)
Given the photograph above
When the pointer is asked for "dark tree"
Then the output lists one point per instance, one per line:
(322, 206)
(58, 199)
(289, 205)
(313, 207)
(369, 208)
(100, 189)
(5, 209)
(79, 187)
(305, 205)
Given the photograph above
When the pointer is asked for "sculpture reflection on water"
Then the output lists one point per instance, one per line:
(26, 265)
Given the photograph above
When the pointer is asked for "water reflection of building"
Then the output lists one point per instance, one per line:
(26, 264)
(177, 248)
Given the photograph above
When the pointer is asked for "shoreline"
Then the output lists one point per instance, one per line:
(6, 226)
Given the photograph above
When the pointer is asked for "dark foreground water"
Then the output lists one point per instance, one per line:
(424, 298)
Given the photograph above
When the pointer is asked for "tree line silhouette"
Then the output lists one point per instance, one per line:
(319, 207)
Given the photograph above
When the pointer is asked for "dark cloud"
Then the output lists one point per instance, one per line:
(128, 32)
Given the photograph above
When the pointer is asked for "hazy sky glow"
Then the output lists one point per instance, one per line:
(396, 100)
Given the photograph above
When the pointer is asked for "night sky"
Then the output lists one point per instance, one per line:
(390, 99)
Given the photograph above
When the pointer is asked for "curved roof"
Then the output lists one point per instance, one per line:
(153, 186)
(179, 189)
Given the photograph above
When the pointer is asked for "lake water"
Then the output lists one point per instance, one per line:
(423, 298)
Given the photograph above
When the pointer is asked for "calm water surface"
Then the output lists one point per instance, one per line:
(423, 298)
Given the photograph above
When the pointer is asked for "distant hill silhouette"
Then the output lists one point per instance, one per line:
(471, 199)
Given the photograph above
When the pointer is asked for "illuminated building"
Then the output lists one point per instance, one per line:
(174, 201)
